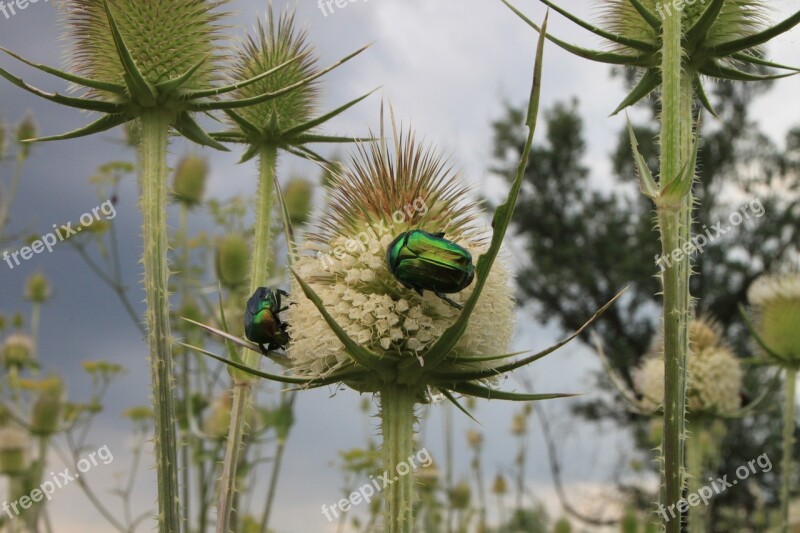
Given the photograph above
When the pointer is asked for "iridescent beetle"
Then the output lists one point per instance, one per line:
(427, 261)
(262, 323)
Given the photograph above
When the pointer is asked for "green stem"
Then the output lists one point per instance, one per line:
(788, 445)
(8, 199)
(243, 383)
(397, 425)
(187, 438)
(153, 154)
(675, 225)
(694, 465)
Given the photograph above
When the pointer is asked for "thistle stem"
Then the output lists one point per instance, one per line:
(243, 383)
(153, 155)
(397, 425)
(675, 226)
(788, 445)
(695, 465)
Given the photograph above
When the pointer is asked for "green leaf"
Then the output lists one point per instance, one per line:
(594, 55)
(274, 356)
(747, 58)
(79, 103)
(471, 389)
(252, 371)
(738, 45)
(700, 91)
(619, 39)
(681, 185)
(717, 70)
(138, 87)
(248, 128)
(325, 139)
(186, 126)
(699, 31)
(498, 370)
(649, 17)
(94, 84)
(358, 353)
(325, 118)
(205, 93)
(502, 217)
(246, 102)
(170, 86)
(647, 184)
(649, 82)
(103, 124)
(249, 154)
(447, 394)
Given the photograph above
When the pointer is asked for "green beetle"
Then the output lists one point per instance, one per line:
(427, 261)
(262, 323)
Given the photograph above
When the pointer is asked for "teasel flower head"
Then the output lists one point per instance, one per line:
(380, 195)
(189, 182)
(48, 407)
(775, 305)
(714, 373)
(131, 58)
(288, 121)
(14, 451)
(722, 40)
(18, 351)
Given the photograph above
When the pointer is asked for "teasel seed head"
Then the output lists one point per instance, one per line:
(189, 183)
(775, 302)
(165, 39)
(18, 351)
(14, 455)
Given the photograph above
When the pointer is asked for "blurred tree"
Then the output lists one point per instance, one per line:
(588, 238)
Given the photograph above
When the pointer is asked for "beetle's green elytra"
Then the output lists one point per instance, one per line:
(427, 261)
(262, 323)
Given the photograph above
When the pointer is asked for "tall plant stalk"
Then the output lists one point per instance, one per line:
(675, 216)
(397, 426)
(243, 383)
(153, 163)
(788, 445)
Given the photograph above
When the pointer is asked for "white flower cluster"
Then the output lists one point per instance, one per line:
(379, 313)
(713, 371)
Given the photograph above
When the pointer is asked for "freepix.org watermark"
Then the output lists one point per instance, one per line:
(706, 493)
(368, 490)
(373, 234)
(62, 233)
(57, 480)
(327, 6)
(699, 242)
(9, 8)
(664, 10)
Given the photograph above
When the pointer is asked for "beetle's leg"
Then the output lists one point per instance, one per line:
(448, 300)
(282, 309)
(264, 350)
(419, 291)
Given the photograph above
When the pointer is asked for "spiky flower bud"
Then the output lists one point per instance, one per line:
(189, 181)
(298, 194)
(26, 130)
(18, 351)
(47, 410)
(499, 486)
(37, 289)
(274, 45)
(474, 439)
(775, 300)
(460, 495)
(428, 476)
(714, 373)
(14, 445)
(376, 198)
(233, 261)
(219, 418)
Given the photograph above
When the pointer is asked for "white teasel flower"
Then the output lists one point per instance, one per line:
(713, 371)
(384, 192)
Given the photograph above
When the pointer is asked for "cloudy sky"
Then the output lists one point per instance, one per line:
(446, 66)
